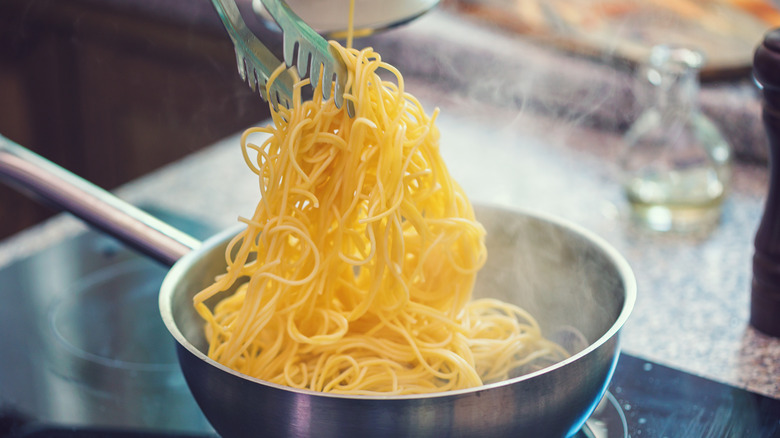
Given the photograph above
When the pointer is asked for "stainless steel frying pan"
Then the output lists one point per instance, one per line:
(578, 287)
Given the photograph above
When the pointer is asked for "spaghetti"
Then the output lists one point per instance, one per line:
(355, 273)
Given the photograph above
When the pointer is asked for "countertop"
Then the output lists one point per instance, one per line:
(692, 307)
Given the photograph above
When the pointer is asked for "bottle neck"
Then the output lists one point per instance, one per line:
(673, 72)
(676, 92)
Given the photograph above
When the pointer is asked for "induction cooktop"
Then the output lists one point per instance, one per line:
(74, 367)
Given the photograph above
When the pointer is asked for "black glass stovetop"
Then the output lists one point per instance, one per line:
(70, 367)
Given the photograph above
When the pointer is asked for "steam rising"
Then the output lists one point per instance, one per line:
(478, 65)
(570, 286)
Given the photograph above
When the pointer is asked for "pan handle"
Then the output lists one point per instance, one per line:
(33, 174)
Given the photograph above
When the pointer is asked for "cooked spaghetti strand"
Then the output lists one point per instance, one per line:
(355, 273)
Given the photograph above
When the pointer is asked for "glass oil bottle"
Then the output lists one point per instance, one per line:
(675, 163)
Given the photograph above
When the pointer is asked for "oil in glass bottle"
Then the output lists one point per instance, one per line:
(675, 163)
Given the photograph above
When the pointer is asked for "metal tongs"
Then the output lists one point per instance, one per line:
(256, 63)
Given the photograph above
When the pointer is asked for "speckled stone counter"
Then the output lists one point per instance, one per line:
(692, 307)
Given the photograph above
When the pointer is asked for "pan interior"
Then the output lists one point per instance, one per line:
(568, 281)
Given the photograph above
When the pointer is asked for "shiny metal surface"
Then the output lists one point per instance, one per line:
(569, 279)
(138, 229)
(256, 63)
(309, 52)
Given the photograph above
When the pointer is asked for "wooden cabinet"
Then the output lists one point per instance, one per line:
(114, 89)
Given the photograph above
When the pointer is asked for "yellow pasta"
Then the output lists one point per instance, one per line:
(355, 273)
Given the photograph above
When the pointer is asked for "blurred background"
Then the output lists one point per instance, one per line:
(113, 89)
